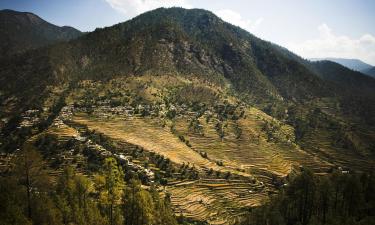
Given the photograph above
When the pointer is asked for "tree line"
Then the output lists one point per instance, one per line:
(29, 195)
(340, 198)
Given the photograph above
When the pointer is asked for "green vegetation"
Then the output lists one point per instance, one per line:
(29, 196)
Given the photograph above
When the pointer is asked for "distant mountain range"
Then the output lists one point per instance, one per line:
(20, 31)
(369, 71)
(354, 64)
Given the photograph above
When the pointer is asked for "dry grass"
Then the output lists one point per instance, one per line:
(252, 151)
(214, 201)
(145, 133)
(63, 131)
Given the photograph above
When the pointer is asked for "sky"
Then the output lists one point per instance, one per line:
(310, 28)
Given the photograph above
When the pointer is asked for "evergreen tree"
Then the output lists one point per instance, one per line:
(29, 170)
(12, 203)
(74, 202)
(111, 189)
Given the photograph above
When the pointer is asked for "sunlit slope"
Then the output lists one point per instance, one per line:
(216, 201)
(252, 152)
(150, 136)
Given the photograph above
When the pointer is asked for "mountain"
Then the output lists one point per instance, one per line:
(191, 43)
(369, 71)
(354, 64)
(20, 31)
(344, 77)
(213, 111)
(188, 42)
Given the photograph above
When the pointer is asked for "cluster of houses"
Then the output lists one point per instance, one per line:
(103, 109)
(106, 111)
(71, 158)
(127, 161)
(124, 160)
(98, 148)
(66, 112)
(343, 171)
(29, 118)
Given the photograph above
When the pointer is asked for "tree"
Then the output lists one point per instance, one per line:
(138, 205)
(303, 195)
(73, 199)
(163, 213)
(112, 186)
(324, 198)
(368, 181)
(353, 200)
(11, 203)
(220, 129)
(29, 169)
(317, 200)
(45, 211)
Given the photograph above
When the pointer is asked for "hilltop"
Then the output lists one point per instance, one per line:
(354, 64)
(21, 31)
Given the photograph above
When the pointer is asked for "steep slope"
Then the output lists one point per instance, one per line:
(20, 31)
(198, 42)
(355, 89)
(344, 77)
(190, 42)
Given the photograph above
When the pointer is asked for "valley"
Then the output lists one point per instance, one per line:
(177, 117)
(222, 158)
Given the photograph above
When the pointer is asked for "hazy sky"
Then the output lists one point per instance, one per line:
(314, 28)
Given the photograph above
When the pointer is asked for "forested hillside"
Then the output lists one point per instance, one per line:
(21, 31)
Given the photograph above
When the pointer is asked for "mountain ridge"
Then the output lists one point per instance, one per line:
(354, 64)
(21, 31)
(189, 42)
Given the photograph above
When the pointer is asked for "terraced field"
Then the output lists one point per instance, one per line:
(251, 151)
(256, 153)
(63, 132)
(339, 156)
(147, 133)
(216, 201)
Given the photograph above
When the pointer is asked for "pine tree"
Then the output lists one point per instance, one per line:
(11, 203)
(29, 169)
(112, 189)
(72, 199)
(137, 205)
